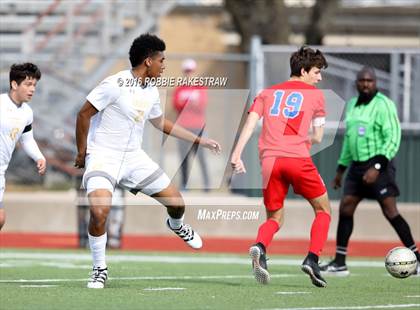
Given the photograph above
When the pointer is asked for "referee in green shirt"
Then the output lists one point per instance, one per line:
(371, 141)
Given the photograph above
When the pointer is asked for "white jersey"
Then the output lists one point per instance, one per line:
(123, 111)
(13, 121)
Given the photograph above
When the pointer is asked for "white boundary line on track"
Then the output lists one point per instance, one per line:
(175, 259)
(351, 307)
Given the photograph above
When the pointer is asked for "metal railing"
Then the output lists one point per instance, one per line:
(76, 32)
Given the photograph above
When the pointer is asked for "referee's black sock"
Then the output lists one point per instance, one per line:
(404, 232)
(344, 230)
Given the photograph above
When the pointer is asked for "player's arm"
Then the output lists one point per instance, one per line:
(318, 120)
(172, 129)
(236, 161)
(391, 132)
(31, 148)
(82, 129)
(317, 130)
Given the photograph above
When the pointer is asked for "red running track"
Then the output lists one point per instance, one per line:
(211, 245)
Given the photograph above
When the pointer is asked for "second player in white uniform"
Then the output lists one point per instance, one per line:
(16, 118)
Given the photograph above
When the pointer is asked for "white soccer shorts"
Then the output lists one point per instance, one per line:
(134, 171)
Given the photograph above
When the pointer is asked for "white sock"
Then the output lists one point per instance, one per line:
(97, 248)
(176, 223)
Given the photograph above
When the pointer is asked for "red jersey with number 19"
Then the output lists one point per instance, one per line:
(287, 109)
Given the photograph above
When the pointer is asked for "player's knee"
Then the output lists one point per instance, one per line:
(170, 198)
(324, 206)
(389, 208)
(321, 204)
(346, 212)
(390, 213)
(174, 202)
(99, 214)
(347, 206)
(97, 223)
(100, 199)
(276, 218)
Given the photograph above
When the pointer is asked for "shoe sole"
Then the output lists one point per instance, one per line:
(345, 273)
(261, 275)
(315, 281)
(94, 286)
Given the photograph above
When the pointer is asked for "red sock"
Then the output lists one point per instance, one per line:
(266, 232)
(319, 232)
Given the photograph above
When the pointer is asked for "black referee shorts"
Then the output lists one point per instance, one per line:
(385, 185)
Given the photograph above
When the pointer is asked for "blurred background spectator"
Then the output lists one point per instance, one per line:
(190, 103)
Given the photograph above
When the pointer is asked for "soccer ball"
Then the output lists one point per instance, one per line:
(401, 262)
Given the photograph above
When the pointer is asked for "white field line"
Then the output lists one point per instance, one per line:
(147, 278)
(164, 289)
(352, 307)
(175, 259)
(32, 263)
(42, 285)
(291, 293)
(413, 296)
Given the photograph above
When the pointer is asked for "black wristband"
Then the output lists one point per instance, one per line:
(382, 160)
(341, 168)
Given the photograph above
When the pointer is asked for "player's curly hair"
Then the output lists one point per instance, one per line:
(306, 58)
(19, 72)
(146, 45)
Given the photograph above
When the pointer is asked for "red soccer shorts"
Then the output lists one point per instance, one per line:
(278, 173)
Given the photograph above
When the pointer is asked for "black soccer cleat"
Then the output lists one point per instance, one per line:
(333, 268)
(311, 268)
(259, 264)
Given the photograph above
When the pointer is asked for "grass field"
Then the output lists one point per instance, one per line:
(38, 279)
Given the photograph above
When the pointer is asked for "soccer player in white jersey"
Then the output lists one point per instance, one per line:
(109, 134)
(16, 122)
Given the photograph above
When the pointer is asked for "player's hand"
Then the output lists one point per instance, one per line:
(41, 164)
(370, 176)
(80, 160)
(237, 164)
(337, 180)
(212, 145)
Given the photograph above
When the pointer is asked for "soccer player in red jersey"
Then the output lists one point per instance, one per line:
(289, 111)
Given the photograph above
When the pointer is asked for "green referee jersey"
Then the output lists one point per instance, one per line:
(371, 129)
